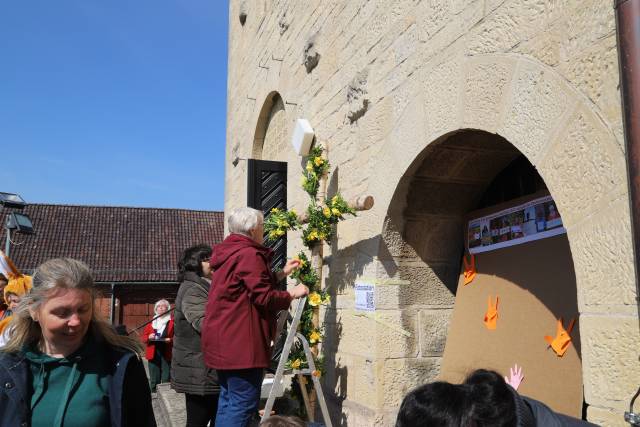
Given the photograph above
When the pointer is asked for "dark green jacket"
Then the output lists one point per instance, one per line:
(128, 400)
(188, 371)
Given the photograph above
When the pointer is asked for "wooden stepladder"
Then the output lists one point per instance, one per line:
(292, 335)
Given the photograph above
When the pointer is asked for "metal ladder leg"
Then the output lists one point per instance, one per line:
(284, 356)
(316, 381)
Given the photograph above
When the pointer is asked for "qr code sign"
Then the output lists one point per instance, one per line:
(365, 296)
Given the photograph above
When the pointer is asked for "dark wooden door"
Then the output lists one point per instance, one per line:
(267, 189)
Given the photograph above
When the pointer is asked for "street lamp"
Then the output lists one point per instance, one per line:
(19, 222)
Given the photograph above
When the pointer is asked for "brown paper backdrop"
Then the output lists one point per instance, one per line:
(536, 285)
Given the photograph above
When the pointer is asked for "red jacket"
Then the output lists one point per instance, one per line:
(151, 345)
(239, 320)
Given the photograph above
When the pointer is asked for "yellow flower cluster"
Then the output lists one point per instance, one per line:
(315, 299)
(316, 235)
(296, 364)
(301, 261)
(315, 337)
(276, 233)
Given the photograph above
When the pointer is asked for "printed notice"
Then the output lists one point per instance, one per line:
(365, 296)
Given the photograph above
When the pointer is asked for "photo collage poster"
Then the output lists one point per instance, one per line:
(527, 222)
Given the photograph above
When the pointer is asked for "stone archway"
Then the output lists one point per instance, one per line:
(577, 154)
(463, 172)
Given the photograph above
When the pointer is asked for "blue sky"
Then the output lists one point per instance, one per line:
(113, 102)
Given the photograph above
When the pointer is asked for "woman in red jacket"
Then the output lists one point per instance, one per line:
(158, 336)
(239, 321)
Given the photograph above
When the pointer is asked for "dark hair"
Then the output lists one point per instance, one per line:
(192, 258)
(493, 403)
(483, 400)
(438, 404)
(280, 421)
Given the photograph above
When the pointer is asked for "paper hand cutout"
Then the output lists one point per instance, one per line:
(561, 342)
(491, 316)
(469, 269)
(515, 378)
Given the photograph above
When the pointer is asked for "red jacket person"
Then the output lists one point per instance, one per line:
(240, 315)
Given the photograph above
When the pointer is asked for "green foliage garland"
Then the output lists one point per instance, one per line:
(319, 228)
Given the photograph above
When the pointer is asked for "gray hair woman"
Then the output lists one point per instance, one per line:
(63, 365)
(240, 316)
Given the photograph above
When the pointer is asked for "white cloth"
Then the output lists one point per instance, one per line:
(160, 323)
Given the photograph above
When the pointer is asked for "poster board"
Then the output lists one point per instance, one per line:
(536, 285)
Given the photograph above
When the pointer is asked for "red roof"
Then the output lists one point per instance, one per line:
(120, 244)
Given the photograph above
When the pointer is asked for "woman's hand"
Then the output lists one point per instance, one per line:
(291, 265)
(152, 336)
(299, 291)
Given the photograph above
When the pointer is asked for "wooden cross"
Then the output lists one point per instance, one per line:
(358, 203)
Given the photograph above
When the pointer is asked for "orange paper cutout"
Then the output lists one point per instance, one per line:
(491, 316)
(469, 269)
(561, 342)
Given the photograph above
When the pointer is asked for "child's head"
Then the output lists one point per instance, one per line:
(12, 300)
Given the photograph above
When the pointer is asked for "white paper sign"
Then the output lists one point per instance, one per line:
(365, 296)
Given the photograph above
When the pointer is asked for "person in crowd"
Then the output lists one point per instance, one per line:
(282, 421)
(240, 315)
(3, 303)
(18, 285)
(483, 400)
(63, 365)
(189, 375)
(12, 295)
(158, 338)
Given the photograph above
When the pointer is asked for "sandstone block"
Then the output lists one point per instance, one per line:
(487, 82)
(538, 100)
(610, 359)
(433, 328)
(402, 375)
(602, 253)
(584, 170)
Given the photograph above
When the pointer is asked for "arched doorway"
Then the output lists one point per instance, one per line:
(467, 173)
(270, 140)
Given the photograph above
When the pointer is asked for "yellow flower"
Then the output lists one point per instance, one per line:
(314, 299)
(318, 161)
(313, 235)
(314, 337)
(309, 166)
(326, 299)
(326, 212)
(272, 234)
(303, 180)
(300, 260)
(322, 236)
(296, 364)
(293, 212)
(336, 211)
(334, 200)
(279, 233)
(275, 210)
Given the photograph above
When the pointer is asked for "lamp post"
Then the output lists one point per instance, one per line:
(19, 222)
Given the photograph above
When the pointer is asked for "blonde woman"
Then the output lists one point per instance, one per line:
(63, 365)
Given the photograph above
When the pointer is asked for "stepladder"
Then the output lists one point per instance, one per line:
(276, 389)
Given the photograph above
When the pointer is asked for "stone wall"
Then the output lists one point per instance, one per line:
(381, 82)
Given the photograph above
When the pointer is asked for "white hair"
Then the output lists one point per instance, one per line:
(243, 220)
(159, 303)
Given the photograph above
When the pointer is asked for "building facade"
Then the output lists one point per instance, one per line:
(422, 104)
